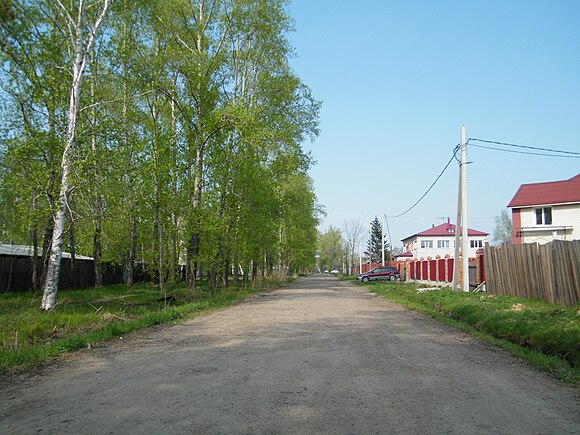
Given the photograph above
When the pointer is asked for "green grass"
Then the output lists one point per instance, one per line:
(83, 318)
(546, 335)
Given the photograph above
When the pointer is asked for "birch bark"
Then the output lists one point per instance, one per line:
(82, 46)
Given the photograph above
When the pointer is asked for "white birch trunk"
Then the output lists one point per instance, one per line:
(81, 48)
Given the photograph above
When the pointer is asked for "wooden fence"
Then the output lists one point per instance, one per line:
(16, 273)
(549, 272)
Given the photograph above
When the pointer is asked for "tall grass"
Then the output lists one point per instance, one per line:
(84, 318)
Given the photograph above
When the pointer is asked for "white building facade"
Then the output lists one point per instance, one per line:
(440, 241)
(543, 212)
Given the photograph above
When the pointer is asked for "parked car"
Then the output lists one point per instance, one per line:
(335, 271)
(379, 273)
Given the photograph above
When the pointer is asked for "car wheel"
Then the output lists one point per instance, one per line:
(392, 278)
(365, 279)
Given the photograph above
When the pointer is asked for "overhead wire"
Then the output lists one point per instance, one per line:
(554, 152)
(430, 187)
(523, 152)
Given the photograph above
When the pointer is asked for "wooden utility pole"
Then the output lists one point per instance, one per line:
(461, 237)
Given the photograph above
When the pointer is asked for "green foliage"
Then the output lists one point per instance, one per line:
(528, 328)
(190, 128)
(331, 249)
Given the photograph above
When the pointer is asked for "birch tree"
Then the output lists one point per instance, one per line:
(502, 231)
(353, 232)
(80, 32)
(189, 130)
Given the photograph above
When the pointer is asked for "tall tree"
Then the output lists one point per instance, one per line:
(502, 232)
(375, 245)
(331, 248)
(82, 24)
(187, 145)
(29, 48)
(353, 232)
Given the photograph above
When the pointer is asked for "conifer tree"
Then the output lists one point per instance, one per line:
(375, 243)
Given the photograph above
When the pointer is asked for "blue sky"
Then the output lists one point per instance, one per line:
(398, 79)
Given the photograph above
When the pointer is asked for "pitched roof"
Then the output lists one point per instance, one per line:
(28, 251)
(404, 254)
(554, 192)
(446, 229)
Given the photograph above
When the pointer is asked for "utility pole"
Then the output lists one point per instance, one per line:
(389, 234)
(461, 237)
(383, 235)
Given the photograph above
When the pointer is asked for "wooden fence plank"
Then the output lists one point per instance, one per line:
(550, 272)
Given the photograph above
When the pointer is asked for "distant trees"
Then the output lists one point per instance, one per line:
(331, 249)
(157, 133)
(502, 232)
(353, 232)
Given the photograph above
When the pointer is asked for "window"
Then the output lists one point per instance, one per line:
(425, 244)
(443, 243)
(544, 216)
(476, 243)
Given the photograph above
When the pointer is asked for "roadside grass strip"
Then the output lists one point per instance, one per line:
(84, 318)
(545, 335)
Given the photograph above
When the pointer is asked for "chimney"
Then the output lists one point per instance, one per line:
(448, 220)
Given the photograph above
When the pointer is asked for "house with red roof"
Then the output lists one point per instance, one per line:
(542, 212)
(440, 240)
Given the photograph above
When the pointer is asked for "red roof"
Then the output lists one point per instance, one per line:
(554, 192)
(446, 229)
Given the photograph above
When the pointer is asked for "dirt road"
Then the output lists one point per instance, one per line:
(317, 357)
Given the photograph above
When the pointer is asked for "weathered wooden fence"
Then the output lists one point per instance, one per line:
(16, 273)
(549, 272)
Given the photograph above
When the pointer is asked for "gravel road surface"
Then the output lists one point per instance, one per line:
(319, 356)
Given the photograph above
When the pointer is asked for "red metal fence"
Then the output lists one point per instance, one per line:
(435, 271)
(550, 272)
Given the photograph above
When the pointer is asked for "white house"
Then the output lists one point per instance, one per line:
(440, 240)
(542, 212)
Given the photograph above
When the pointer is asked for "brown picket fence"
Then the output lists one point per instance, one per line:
(550, 272)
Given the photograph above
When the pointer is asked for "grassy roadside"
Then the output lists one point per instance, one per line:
(545, 335)
(84, 318)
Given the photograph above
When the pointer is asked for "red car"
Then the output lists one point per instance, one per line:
(379, 273)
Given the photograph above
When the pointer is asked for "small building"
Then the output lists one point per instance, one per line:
(440, 241)
(9, 250)
(542, 212)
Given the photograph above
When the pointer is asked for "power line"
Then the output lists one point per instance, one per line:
(525, 152)
(430, 187)
(572, 153)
